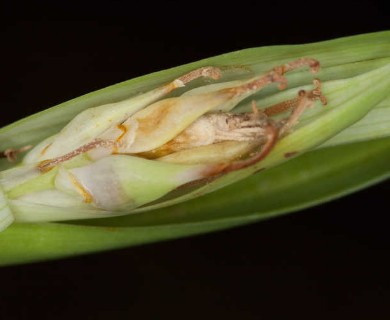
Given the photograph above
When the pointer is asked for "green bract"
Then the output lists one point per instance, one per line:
(143, 178)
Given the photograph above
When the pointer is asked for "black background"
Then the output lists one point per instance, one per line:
(327, 262)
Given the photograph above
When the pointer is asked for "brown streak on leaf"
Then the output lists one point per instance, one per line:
(124, 131)
(290, 154)
(43, 151)
(153, 120)
(84, 193)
